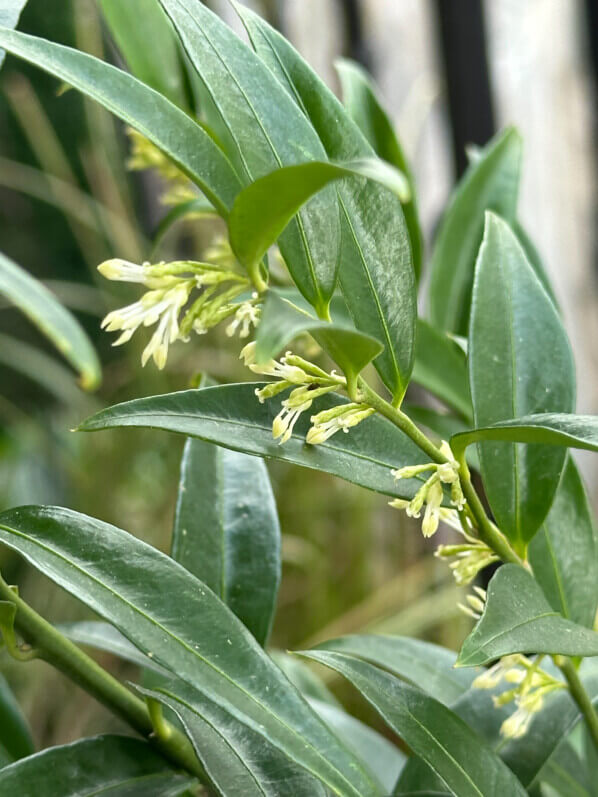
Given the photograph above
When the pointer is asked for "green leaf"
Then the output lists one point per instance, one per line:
(113, 765)
(168, 127)
(263, 210)
(441, 367)
(554, 429)
(175, 619)
(281, 321)
(304, 678)
(226, 531)
(422, 664)
(15, 736)
(517, 619)
(490, 183)
(363, 104)
(134, 25)
(464, 762)
(376, 275)
(198, 208)
(10, 11)
(231, 416)
(535, 260)
(377, 753)
(512, 372)
(262, 130)
(565, 772)
(237, 760)
(564, 553)
(40, 306)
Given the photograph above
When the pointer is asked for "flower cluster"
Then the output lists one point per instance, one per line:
(309, 382)
(170, 288)
(532, 684)
(145, 155)
(468, 558)
(431, 493)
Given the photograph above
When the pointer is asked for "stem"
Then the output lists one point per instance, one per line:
(65, 656)
(580, 695)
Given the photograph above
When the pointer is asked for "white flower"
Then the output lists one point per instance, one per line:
(476, 603)
(343, 417)
(495, 674)
(246, 315)
(432, 514)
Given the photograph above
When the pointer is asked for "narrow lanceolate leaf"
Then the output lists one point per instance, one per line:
(566, 774)
(226, 531)
(281, 321)
(376, 275)
(107, 765)
(263, 210)
(175, 619)
(167, 126)
(519, 619)
(365, 108)
(464, 762)
(422, 664)
(512, 372)
(564, 553)
(490, 183)
(45, 311)
(535, 259)
(238, 761)
(15, 736)
(262, 130)
(10, 11)
(231, 416)
(441, 367)
(550, 428)
(136, 23)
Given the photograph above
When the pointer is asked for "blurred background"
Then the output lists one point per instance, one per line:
(451, 74)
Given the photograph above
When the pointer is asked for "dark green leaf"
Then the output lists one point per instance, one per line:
(376, 275)
(226, 531)
(441, 367)
(463, 761)
(10, 11)
(44, 310)
(231, 416)
(490, 183)
(565, 771)
(363, 104)
(262, 130)
(168, 127)
(238, 761)
(263, 210)
(15, 736)
(115, 766)
(175, 619)
(512, 373)
(519, 619)
(422, 664)
(135, 25)
(554, 429)
(564, 553)
(281, 321)
(304, 678)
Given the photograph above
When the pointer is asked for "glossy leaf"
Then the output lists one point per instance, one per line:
(135, 25)
(15, 736)
(564, 553)
(168, 127)
(301, 675)
(441, 367)
(238, 761)
(175, 619)
(378, 754)
(44, 310)
(10, 11)
(226, 531)
(263, 210)
(422, 664)
(281, 321)
(550, 428)
(114, 766)
(376, 275)
(262, 130)
(231, 416)
(464, 762)
(490, 183)
(365, 108)
(519, 619)
(513, 372)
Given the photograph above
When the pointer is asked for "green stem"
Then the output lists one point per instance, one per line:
(580, 695)
(65, 656)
